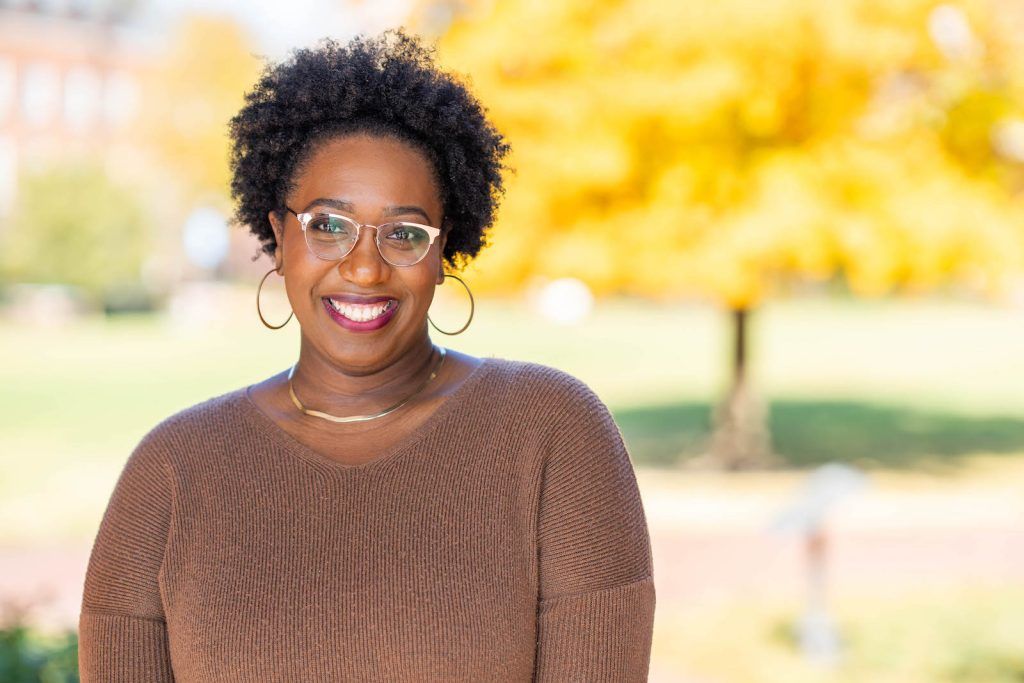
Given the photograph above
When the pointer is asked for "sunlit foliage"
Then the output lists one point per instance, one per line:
(726, 148)
(196, 86)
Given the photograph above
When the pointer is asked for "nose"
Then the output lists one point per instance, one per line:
(364, 265)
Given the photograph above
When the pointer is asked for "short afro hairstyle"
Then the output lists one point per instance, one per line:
(388, 85)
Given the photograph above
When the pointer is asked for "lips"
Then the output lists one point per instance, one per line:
(363, 315)
(357, 298)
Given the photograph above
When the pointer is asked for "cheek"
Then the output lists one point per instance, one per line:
(303, 271)
(295, 246)
(422, 284)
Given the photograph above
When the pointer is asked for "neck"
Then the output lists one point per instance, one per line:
(324, 384)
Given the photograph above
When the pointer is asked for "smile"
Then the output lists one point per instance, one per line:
(361, 317)
(362, 312)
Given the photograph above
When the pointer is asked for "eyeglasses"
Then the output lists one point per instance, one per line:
(331, 237)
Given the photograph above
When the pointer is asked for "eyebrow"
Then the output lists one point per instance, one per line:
(343, 205)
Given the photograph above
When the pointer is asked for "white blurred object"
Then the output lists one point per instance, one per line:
(818, 636)
(565, 301)
(1008, 139)
(206, 238)
(951, 32)
(816, 632)
(825, 486)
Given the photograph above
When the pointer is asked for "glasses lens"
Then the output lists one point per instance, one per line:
(330, 236)
(403, 243)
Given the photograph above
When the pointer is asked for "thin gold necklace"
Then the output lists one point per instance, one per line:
(360, 418)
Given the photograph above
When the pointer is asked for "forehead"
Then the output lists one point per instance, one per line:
(367, 171)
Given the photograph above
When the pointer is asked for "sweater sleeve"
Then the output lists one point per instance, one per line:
(122, 634)
(597, 598)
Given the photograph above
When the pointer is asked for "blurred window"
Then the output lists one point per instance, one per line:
(8, 86)
(121, 99)
(40, 93)
(8, 174)
(81, 97)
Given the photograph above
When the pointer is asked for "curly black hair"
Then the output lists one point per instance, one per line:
(387, 85)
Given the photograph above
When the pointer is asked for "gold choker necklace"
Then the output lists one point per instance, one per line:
(359, 418)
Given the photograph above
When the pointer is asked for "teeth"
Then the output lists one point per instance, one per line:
(361, 312)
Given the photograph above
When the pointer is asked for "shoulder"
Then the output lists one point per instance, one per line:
(189, 429)
(581, 445)
(557, 398)
(541, 382)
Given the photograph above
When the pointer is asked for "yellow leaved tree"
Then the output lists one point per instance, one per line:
(197, 84)
(728, 149)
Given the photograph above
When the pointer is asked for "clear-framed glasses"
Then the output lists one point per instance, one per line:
(331, 237)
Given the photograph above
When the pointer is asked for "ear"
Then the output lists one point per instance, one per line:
(441, 240)
(278, 227)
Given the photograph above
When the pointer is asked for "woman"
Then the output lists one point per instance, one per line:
(386, 509)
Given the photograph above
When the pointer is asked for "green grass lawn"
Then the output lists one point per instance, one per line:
(894, 384)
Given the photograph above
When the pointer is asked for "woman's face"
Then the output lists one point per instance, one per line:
(372, 180)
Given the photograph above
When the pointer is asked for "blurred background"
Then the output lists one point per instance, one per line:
(782, 239)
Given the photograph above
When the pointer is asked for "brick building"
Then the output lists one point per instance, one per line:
(70, 75)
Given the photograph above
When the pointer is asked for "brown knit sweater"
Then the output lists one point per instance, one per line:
(505, 540)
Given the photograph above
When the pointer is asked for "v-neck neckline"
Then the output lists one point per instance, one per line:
(289, 443)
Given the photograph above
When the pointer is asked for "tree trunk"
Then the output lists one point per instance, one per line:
(740, 438)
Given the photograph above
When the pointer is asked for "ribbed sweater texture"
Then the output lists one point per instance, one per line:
(504, 540)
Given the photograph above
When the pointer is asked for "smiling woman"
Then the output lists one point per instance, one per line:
(385, 509)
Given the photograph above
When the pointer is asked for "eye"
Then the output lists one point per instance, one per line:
(334, 225)
(401, 233)
(407, 232)
(407, 236)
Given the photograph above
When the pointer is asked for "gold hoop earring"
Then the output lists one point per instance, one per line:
(472, 307)
(260, 313)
